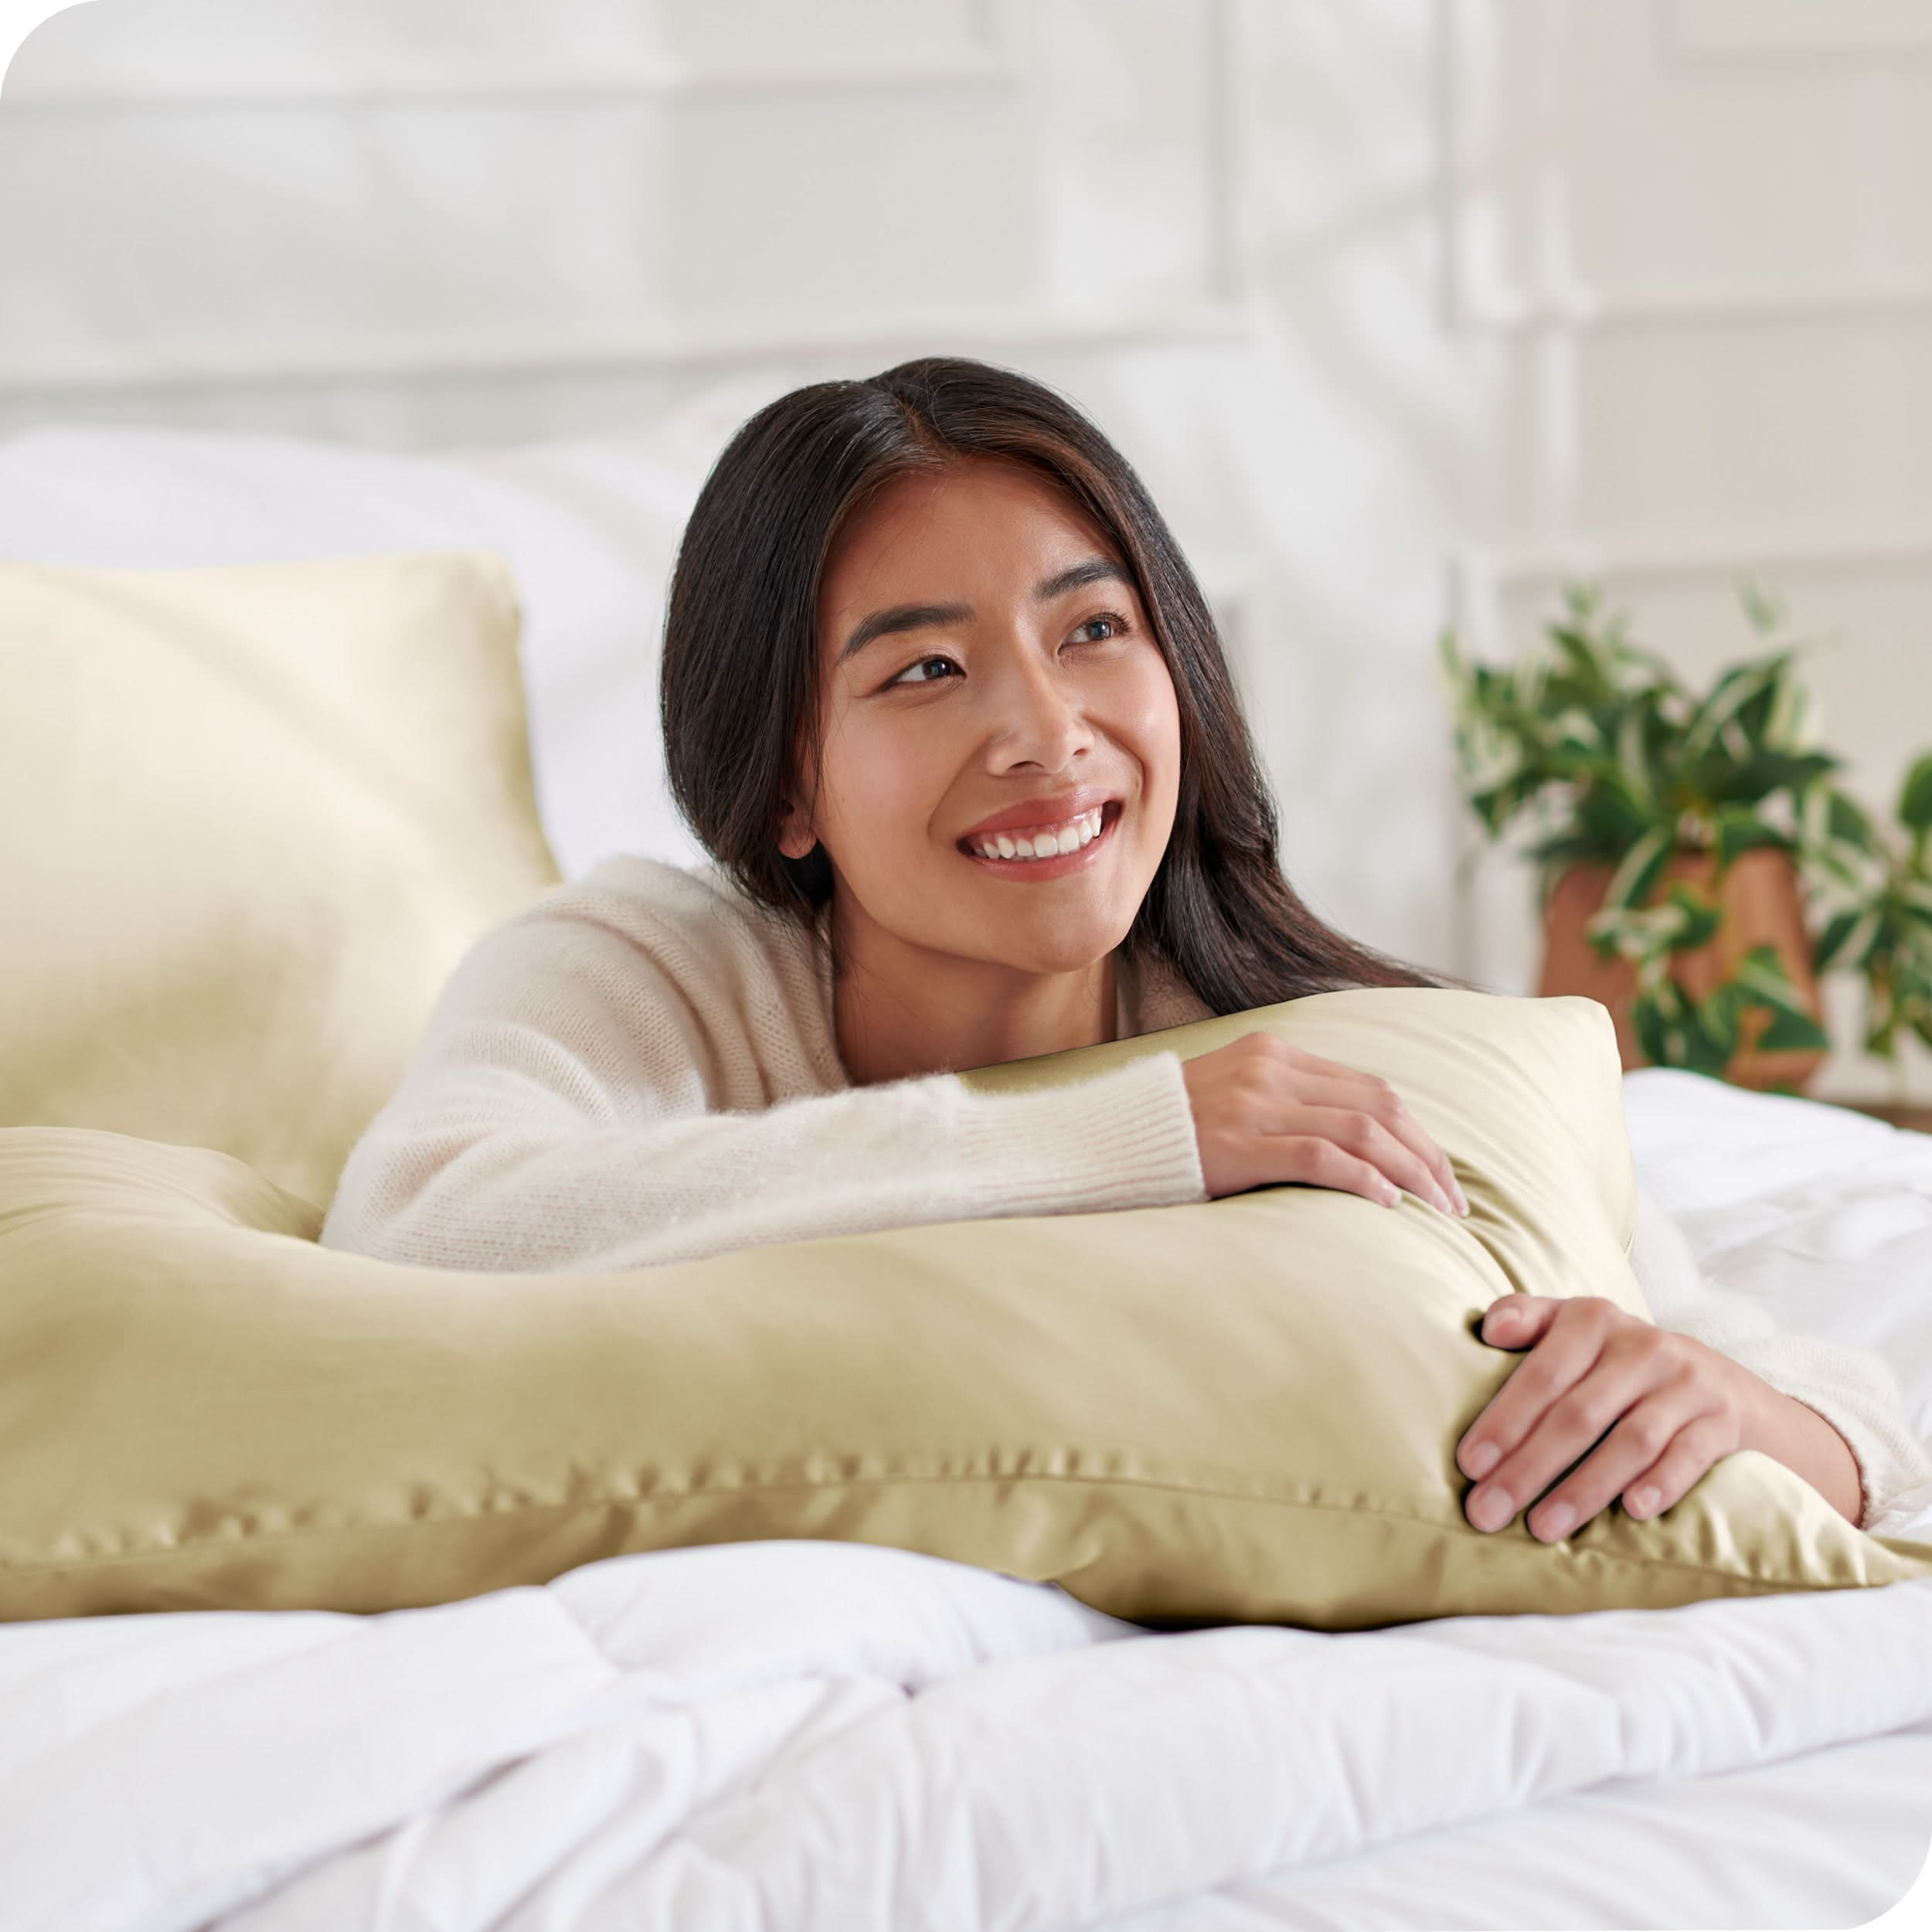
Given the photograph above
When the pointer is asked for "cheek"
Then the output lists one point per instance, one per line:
(1149, 720)
(881, 792)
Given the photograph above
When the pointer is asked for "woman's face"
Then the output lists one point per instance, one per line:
(983, 655)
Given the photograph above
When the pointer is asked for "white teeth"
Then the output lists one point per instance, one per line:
(1046, 844)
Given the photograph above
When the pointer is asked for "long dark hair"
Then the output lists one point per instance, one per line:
(739, 689)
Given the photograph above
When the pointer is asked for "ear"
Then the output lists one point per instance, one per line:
(796, 839)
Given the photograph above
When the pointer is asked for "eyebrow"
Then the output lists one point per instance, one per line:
(922, 616)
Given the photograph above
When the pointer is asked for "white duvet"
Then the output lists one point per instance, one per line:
(839, 1738)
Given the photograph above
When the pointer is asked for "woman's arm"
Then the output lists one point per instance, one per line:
(560, 1114)
(1803, 1440)
(1826, 1405)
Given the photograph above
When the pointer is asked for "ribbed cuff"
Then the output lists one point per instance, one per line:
(1123, 1139)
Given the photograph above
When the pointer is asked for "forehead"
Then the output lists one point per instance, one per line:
(929, 532)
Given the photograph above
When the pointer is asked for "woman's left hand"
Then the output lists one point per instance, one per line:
(1672, 1407)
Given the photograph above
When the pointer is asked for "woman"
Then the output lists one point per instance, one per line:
(943, 699)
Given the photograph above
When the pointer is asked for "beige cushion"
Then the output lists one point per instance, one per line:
(250, 819)
(1244, 1409)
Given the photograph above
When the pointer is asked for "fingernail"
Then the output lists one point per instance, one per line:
(1462, 1200)
(1557, 1521)
(1641, 1503)
(1481, 1459)
(1490, 1509)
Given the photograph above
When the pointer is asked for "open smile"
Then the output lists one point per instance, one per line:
(1062, 863)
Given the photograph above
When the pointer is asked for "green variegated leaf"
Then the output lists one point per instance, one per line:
(1764, 609)
(1575, 726)
(1640, 868)
(1607, 812)
(1792, 722)
(1814, 814)
(1580, 660)
(1744, 781)
(1715, 1020)
(1890, 929)
(1844, 864)
(1790, 1032)
(1647, 1024)
(1635, 932)
(1911, 985)
(1739, 830)
(1847, 821)
(1915, 796)
(1881, 1021)
(1907, 963)
(1847, 935)
(1703, 916)
(1763, 972)
(1654, 981)
(1531, 676)
(1633, 752)
(1732, 691)
(1491, 757)
(1701, 1054)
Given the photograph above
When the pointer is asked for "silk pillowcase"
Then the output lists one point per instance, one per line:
(1243, 1410)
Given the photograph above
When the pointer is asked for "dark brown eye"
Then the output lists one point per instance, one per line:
(917, 664)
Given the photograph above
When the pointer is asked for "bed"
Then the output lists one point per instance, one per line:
(816, 1735)
(807, 1734)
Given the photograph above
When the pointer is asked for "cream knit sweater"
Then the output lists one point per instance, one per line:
(642, 1068)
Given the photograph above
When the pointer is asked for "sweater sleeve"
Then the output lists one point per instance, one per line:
(558, 1116)
(1853, 1388)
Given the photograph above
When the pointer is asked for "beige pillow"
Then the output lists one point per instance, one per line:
(1241, 1410)
(250, 819)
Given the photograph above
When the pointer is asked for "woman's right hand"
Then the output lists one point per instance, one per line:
(1266, 1112)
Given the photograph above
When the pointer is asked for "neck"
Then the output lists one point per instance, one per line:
(900, 1011)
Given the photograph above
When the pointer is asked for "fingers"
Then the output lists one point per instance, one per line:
(1322, 1163)
(1597, 1385)
(1323, 1083)
(1628, 1465)
(1693, 1451)
(1370, 1140)
(1261, 1105)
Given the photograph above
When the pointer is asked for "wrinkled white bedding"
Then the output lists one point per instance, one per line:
(817, 1736)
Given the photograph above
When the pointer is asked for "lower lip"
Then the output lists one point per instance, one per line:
(1066, 861)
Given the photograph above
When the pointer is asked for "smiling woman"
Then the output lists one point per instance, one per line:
(944, 701)
(938, 604)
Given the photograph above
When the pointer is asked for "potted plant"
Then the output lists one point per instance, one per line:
(1673, 834)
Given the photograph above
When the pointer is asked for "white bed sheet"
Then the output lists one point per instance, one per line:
(1831, 1837)
(818, 1735)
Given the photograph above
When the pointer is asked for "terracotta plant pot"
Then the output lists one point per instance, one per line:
(1760, 905)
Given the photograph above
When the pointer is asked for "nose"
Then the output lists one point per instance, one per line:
(1037, 716)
